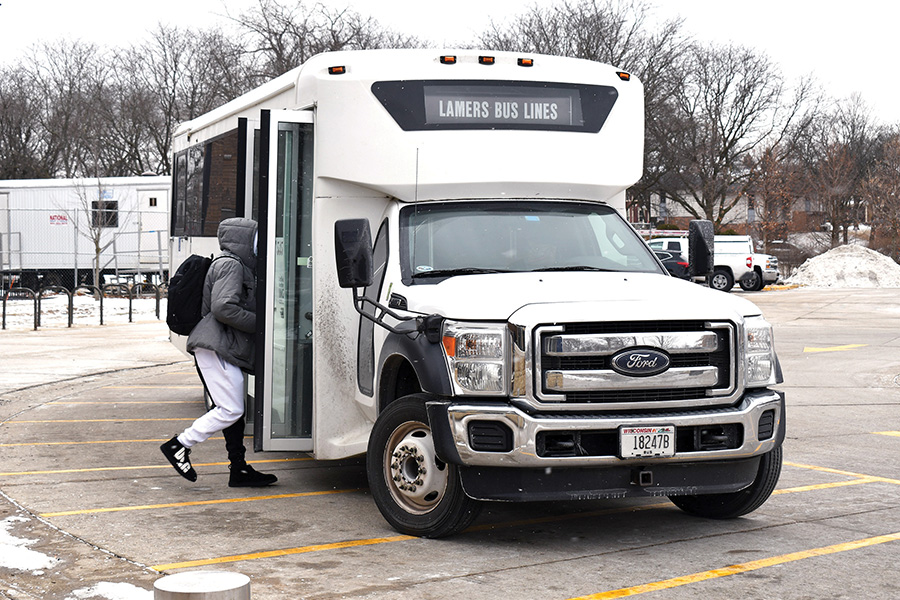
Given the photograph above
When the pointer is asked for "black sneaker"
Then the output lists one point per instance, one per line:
(180, 457)
(247, 476)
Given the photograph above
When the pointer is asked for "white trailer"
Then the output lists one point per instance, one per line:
(508, 336)
(59, 231)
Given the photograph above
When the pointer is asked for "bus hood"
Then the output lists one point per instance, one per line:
(575, 296)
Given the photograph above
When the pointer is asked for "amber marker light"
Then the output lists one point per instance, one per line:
(486, 60)
(337, 70)
(526, 62)
(448, 60)
(623, 75)
(449, 342)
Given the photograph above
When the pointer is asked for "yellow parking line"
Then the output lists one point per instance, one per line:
(741, 568)
(136, 468)
(845, 473)
(68, 402)
(90, 442)
(891, 433)
(17, 422)
(825, 486)
(285, 552)
(195, 386)
(835, 348)
(89, 511)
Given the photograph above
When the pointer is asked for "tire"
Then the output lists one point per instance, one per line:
(417, 493)
(721, 280)
(751, 284)
(737, 504)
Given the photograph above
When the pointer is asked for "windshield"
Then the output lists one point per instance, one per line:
(458, 238)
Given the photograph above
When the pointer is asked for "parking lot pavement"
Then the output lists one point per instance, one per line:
(83, 478)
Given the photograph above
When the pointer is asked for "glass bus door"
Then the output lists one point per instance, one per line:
(283, 382)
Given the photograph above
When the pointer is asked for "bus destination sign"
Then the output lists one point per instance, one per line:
(501, 105)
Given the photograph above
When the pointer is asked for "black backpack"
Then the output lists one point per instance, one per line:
(186, 294)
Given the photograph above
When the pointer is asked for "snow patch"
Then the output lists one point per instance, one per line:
(849, 266)
(85, 311)
(112, 591)
(15, 554)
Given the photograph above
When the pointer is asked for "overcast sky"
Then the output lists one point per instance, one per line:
(849, 47)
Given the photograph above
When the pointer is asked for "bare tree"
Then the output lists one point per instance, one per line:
(22, 142)
(98, 218)
(732, 102)
(838, 152)
(617, 33)
(283, 36)
(881, 192)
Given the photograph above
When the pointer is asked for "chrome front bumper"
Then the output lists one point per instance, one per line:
(525, 429)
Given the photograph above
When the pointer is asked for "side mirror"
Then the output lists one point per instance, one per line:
(353, 253)
(701, 248)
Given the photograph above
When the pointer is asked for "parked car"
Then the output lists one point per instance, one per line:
(728, 268)
(674, 264)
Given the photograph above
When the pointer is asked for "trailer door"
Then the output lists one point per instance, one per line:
(283, 383)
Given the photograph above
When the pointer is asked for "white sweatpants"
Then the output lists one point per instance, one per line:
(225, 383)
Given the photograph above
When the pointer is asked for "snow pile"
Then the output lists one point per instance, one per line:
(849, 266)
(15, 554)
(112, 591)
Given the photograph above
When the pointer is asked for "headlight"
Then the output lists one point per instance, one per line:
(760, 352)
(476, 355)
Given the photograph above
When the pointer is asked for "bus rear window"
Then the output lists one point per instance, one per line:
(423, 105)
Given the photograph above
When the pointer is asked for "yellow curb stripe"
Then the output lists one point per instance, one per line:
(741, 568)
(98, 469)
(91, 511)
(285, 552)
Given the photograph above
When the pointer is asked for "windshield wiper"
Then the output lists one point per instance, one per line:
(461, 271)
(575, 268)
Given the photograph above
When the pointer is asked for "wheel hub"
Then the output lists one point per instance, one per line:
(416, 475)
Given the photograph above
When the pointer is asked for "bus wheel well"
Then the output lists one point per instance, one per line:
(398, 379)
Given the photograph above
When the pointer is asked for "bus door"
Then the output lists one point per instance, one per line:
(283, 382)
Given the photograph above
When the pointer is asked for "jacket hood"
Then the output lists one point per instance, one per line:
(236, 236)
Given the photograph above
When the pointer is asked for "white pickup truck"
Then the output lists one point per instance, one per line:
(734, 261)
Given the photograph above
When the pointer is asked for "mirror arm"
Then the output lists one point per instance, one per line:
(430, 325)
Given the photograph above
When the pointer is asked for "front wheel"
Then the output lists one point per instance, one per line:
(736, 504)
(416, 492)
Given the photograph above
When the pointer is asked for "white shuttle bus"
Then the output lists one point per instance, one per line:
(447, 283)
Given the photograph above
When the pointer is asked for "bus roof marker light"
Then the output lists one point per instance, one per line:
(623, 75)
(526, 62)
(337, 70)
(448, 60)
(486, 60)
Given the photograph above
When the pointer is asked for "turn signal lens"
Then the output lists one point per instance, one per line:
(337, 70)
(623, 75)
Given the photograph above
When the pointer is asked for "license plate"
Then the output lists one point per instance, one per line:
(651, 440)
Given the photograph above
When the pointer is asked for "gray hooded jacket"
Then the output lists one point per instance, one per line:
(229, 297)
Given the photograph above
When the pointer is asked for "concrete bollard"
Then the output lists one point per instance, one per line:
(202, 585)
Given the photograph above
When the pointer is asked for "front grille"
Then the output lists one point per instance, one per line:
(579, 359)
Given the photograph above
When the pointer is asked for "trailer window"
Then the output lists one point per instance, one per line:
(104, 213)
